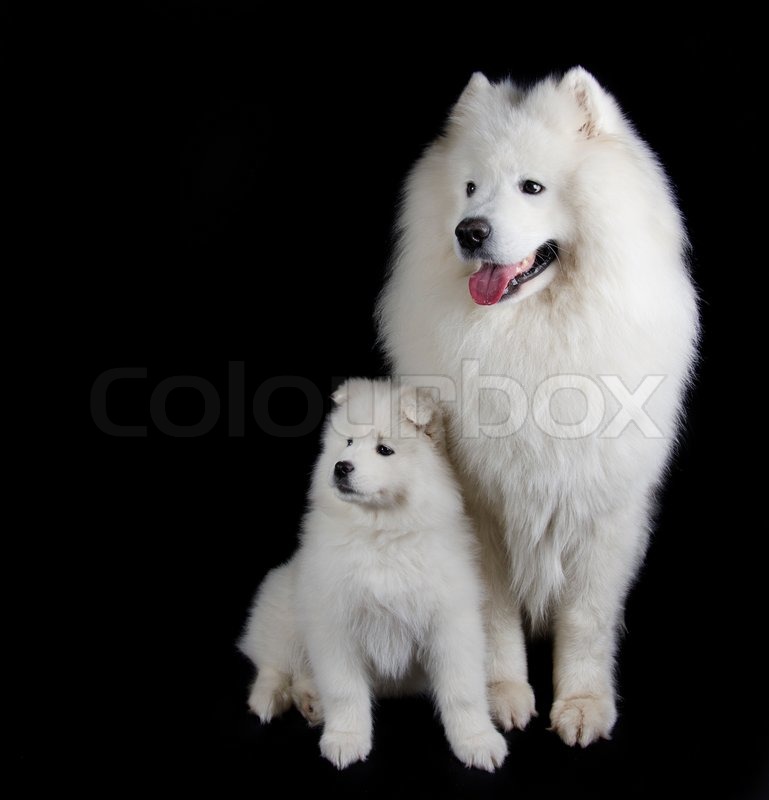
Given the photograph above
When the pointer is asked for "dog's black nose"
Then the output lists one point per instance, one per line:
(342, 468)
(472, 232)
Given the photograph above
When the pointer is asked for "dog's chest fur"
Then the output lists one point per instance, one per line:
(390, 600)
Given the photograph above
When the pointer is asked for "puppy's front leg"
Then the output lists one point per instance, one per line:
(456, 663)
(345, 696)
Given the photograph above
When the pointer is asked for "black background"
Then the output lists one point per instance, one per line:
(241, 174)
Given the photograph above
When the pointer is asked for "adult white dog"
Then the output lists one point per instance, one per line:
(384, 594)
(541, 268)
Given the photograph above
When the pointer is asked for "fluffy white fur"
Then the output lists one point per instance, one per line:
(384, 594)
(564, 521)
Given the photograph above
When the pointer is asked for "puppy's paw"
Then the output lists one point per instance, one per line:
(582, 720)
(512, 703)
(307, 701)
(485, 750)
(267, 700)
(343, 748)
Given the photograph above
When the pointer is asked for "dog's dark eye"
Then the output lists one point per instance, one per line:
(384, 450)
(531, 187)
(349, 442)
(470, 188)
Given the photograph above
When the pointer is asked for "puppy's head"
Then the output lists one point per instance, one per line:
(381, 442)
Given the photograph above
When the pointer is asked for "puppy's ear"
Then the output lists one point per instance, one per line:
(341, 395)
(419, 405)
(597, 109)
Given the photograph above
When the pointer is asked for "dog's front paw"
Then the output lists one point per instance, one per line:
(343, 748)
(512, 703)
(582, 720)
(486, 750)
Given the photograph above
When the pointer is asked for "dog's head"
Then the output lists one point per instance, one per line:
(514, 156)
(382, 443)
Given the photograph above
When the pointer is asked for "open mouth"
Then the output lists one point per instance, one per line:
(495, 282)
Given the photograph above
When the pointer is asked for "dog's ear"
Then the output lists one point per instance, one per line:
(341, 395)
(476, 97)
(476, 89)
(597, 109)
(477, 85)
(419, 405)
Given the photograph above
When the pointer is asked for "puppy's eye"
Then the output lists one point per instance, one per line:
(349, 442)
(531, 187)
(384, 450)
(470, 188)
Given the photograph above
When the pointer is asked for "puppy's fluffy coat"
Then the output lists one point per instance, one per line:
(384, 594)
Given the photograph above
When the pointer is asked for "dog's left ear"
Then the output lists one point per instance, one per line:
(598, 111)
(419, 405)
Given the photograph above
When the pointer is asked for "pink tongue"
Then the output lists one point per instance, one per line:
(488, 284)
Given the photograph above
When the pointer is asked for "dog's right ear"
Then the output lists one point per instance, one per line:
(477, 84)
(340, 396)
(472, 94)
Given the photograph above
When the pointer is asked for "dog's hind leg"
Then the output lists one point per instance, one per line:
(270, 694)
(305, 696)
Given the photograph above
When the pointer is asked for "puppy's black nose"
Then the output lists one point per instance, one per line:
(472, 232)
(342, 468)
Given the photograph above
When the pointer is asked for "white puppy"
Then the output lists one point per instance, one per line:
(384, 590)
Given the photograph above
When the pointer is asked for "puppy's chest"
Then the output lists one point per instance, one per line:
(393, 603)
(393, 578)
